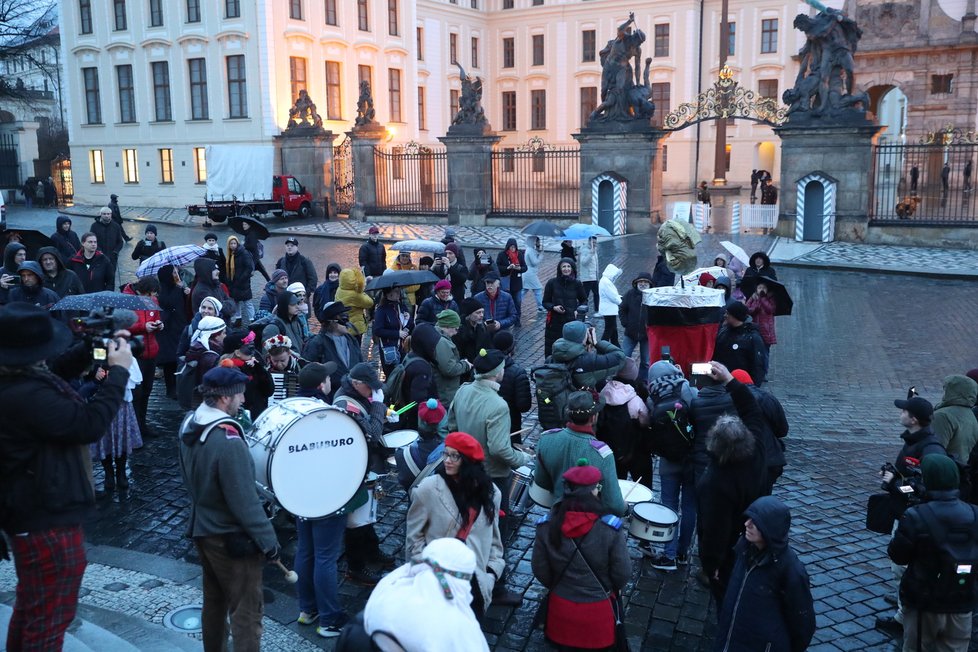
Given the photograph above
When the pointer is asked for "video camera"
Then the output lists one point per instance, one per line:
(97, 329)
(912, 488)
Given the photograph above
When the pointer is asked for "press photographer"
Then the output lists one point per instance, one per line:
(45, 488)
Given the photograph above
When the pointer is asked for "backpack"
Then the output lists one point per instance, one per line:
(553, 384)
(671, 432)
(953, 566)
(393, 385)
(186, 382)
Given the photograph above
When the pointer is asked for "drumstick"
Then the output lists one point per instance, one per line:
(290, 575)
(406, 408)
(520, 432)
(634, 487)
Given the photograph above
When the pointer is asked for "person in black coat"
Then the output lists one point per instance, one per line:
(418, 384)
(372, 256)
(472, 335)
(251, 244)
(739, 344)
(334, 343)
(441, 300)
(760, 265)
(769, 605)
(64, 238)
(567, 250)
(215, 253)
(149, 245)
(511, 264)
(662, 276)
(240, 267)
(562, 296)
(299, 268)
(326, 292)
(111, 237)
(775, 429)
(481, 265)
(515, 385)
(633, 318)
(57, 276)
(732, 481)
(452, 268)
(173, 313)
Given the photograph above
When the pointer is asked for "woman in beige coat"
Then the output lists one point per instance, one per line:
(440, 500)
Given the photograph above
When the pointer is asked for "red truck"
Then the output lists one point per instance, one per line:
(238, 184)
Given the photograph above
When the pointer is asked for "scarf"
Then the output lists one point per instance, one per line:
(514, 256)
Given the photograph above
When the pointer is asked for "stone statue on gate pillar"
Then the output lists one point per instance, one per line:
(303, 116)
(824, 88)
(470, 110)
(365, 106)
(624, 97)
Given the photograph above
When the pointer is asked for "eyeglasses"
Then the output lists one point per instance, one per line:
(452, 457)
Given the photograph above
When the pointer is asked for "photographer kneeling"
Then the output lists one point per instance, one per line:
(45, 486)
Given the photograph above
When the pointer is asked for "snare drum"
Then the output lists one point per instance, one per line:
(653, 522)
(400, 438)
(519, 488)
(541, 496)
(636, 493)
(311, 456)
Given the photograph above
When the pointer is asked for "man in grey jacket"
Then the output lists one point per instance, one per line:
(232, 534)
(449, 366)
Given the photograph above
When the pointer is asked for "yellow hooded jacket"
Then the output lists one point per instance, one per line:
(350, 293)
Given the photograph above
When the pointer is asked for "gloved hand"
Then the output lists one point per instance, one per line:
(273, 554)
(393, 417)
(377, 396)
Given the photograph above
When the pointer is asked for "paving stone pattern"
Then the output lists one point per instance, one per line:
(891, 257)
(854, 344)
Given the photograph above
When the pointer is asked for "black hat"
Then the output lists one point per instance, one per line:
(315, 374)
(503, 340)
(151, 228)
(292, 240)
(333, 311)
(223, 381)
(919, 408)
(366, 374)
(210, 236)
(737, 310)
(470, 305)
(490, 277)
(583, 403)
(239, 339)
(113, 196)
(489, 361)
(28, 334)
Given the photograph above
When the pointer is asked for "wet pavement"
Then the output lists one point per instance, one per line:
(856, 341)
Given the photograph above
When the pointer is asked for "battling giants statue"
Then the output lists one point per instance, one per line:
(624, 96)
(365, 106)
(824, 87)
(303, 115)
(470, 110)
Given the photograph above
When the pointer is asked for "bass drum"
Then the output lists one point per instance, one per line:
(311, 456)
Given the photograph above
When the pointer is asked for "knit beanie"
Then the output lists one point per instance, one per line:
(277, 274)
(449, 319)
(575, 331)
(940, 473)
(470, 305)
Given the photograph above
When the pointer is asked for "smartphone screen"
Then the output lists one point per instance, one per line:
(702, 369)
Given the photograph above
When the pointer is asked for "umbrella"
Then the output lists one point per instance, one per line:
(105, 299)
(420, 246)
(694, 276)
(177, 256)
(736, 251)
(584, 231)
(31, 239)
(543, 229)
(782, 300)
(255, 224)
(401, 278)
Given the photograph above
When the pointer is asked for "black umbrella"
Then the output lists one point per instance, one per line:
(31, 239)
(401, 278)
(105, 299)
(543, 229)
(253, 222)
(782, 300)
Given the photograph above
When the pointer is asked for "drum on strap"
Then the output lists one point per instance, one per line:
(519, 488)
(633, 493)
(400, 438)
(311, 456)
(653, 522)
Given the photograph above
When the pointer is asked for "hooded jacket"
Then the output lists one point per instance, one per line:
(768, 604)
(65, 282)
(533, 258)
(608, 297)
(269, 297)
(564, 291)
(67, 243)
(9, 266)
(150, 346)
(38, 295)
(243, 265)
(588, 368)
(954, 423)
(326, 292)
(142, 251)
(765, 270)
(350, 293)
(631, 312)
(205, 286)
(96, 274)
(515, 276)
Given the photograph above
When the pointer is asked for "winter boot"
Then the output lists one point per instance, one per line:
(109, 483)
(120, 472)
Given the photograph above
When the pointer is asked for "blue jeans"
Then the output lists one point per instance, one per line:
(628, 346)
(678, 479)
(537, 292)
(320, 543)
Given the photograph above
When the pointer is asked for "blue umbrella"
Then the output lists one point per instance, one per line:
(584, 231)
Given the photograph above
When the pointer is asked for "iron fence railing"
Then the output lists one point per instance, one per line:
(924, 184)
(536, 180)
(411, 180)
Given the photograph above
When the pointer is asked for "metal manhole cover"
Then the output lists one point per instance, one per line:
(185, 619)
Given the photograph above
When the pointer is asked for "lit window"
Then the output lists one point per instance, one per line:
(130, 166)
(200, 165)
(166, 166)
(96, 165)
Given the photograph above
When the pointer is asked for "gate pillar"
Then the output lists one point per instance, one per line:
(469, 151)
(363, 140)
(841, 152)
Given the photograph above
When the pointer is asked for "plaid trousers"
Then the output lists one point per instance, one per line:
(50, 565)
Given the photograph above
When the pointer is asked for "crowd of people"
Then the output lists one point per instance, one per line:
(448, 347)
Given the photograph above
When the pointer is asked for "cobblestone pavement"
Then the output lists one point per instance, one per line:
(856, 341)
(932, 261)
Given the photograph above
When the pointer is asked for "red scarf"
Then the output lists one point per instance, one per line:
(514, 257)
(577, 524)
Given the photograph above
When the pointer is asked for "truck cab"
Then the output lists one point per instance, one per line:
(292, 194)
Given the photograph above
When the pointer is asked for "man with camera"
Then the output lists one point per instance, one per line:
(903, 481)
(232, 534)
(45, 483)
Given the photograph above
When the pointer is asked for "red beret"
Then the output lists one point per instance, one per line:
(465, 444)
(582, 476)
(742, 376)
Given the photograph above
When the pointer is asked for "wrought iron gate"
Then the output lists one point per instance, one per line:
(9, 168)
(343, 185)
